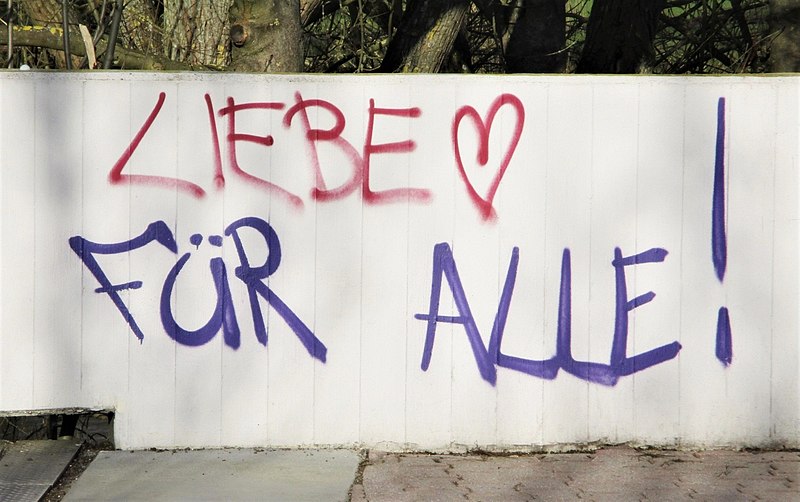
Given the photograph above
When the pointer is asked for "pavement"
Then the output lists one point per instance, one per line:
(231, 474)
(609, 474)
(606, 474)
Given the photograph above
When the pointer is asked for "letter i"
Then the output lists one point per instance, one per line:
(719, 244)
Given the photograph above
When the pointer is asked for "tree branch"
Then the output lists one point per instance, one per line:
(51, 38)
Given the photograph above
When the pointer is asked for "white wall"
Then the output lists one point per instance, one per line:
(600, 163)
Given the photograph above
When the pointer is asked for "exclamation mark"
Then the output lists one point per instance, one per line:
(719, 243)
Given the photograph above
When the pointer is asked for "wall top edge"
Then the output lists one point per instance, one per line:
(190, 76)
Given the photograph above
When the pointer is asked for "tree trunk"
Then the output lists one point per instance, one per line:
(266, 36)
(784, 21)
(425, 37)
(43, 12)
(536, 44)
(196, 31)
(311, 10)
(619, 36)
(49, 13)
(140, 28)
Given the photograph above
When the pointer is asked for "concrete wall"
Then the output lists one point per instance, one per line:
(405, 261)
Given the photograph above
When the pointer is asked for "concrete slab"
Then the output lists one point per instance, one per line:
(233, 474)
(29, 468)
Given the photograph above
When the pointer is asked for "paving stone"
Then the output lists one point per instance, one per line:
(779, 496)
(614, 474)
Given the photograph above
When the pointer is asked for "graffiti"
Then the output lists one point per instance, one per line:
(724, 342)
(719, 245)
(484, 127)
(403, 260)
(224, 316)
(488, 358)
(115, 176)
(360, 162)
(719, 242)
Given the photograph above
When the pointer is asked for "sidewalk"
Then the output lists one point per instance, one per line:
(231, 474)
(608, 474)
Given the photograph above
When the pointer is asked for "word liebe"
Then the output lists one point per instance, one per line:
(360, 162)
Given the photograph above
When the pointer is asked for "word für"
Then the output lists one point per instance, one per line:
(224, 315)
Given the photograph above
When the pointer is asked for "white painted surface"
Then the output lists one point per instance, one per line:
(601, 162)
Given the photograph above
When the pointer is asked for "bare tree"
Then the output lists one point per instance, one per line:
(266, 36)
(196, 31)
(140, 29)
(784, 19)
(619, 36)
(426, 35)
(536, 40)
(498, 36)
(50, 13)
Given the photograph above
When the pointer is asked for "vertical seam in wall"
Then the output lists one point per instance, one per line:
(128, 260)
(361, 283)
(177, 290)
(498, 279)
(544, 251)
(408, 286)
(681, 282)
(772, 427)
(33, 299)
(795, 166)
(452, 302)
(589, 303)
(220, 194)
(637, 164)
(82, 213)
(269, 309)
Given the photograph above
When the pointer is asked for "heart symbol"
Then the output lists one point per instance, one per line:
(484, 127)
